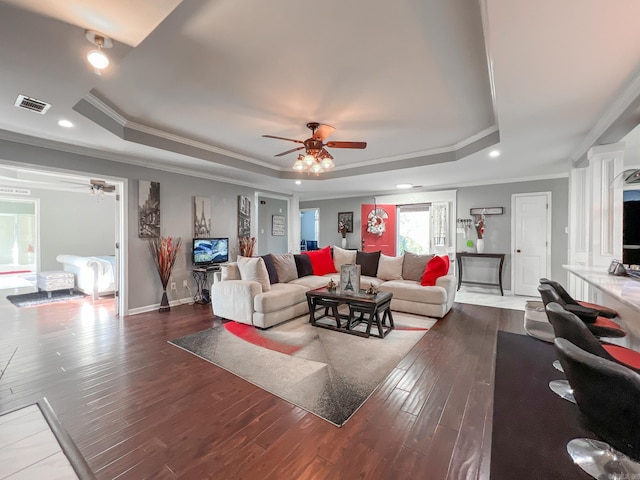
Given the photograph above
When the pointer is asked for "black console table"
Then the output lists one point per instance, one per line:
(498, 256)
(201, 276)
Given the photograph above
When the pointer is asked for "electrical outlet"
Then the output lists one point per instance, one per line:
(185, 283)
(173, 285)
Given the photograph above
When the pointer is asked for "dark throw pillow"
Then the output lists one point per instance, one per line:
(368, 262)
(303, 265)
(271, 268)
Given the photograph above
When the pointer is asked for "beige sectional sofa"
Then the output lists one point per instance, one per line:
(253, 302)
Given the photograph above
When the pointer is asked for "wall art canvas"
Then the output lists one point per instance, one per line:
(148, 209)
(201, 217)
(278, 223)
(346, 219)
(244, 216)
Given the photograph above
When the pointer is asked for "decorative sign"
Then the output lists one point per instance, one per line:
(244, 216)
(278, 223)
(15, 191)
(487, 211)
(350, 278)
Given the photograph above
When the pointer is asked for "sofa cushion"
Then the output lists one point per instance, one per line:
(368, 262)
(390, 268)
(229, 272)
(253, 269)
(343, 257)
(414, 292)
(285, 266)
(271, 268)
(321, 261)
(281, 295)
(436, 268)
(312, 282)
(303, 265)
(414, 265)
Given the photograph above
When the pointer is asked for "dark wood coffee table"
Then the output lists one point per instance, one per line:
(363, 308)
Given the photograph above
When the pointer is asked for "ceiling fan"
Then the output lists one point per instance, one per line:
(100, 186)
(317, 158)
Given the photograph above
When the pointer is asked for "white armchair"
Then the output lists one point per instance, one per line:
(94, 275)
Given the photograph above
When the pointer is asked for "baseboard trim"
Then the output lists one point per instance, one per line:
(156, 306)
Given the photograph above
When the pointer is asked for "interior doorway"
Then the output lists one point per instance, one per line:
(531, 241)
(19, 245)
(309, 228)
(73, 218)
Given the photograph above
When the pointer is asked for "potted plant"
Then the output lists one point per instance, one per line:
(164, 252)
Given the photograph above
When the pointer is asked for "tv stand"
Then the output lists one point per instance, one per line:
(201, 276)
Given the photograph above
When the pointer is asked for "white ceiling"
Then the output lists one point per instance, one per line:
(430, 85)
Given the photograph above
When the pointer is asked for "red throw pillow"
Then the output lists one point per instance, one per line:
(436, 268)
(321, 261)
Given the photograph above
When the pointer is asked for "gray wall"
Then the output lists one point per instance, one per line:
(328, 219)
(176, 192)
(497, 233)
(268, 243)
(498, 227)
(76, 224)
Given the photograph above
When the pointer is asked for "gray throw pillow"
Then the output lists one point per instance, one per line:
(413, 266)
(285, 266)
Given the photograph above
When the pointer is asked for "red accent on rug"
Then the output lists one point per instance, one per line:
(10, 272)
(413, 329)
(252, 335)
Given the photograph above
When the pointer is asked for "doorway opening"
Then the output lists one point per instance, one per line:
(19, 246)
(309, 228)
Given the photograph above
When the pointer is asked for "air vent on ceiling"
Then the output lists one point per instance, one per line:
(32, 104)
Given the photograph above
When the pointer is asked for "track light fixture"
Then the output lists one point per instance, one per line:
(96, 57)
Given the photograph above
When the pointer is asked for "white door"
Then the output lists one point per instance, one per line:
(531, 241)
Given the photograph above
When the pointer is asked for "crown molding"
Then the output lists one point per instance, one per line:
(628, 99)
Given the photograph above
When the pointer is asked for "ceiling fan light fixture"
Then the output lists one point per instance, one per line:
(327, 163)
(316, 168)
(309, 159)
(299, 165)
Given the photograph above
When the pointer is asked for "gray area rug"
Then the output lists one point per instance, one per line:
(330, 374)
(41, 298)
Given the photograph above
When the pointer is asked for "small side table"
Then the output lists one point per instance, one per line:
(201, 276)
(499, 265)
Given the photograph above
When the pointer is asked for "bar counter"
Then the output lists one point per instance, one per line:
(619, 293)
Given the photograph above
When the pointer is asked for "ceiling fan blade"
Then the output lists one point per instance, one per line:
(323, 132)
(283, 138)
(346, 144)
(289, 151)
(109, 188)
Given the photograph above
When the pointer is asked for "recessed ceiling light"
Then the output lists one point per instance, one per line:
(494, 153)
(298, 182)
(404, 186)
(65, 123)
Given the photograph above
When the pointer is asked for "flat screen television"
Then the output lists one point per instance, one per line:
(210, 251)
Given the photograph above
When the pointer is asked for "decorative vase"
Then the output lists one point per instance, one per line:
(344, 242)
(164, 303)
(480, 245)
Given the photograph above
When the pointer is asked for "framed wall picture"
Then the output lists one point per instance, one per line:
(346, 219)
(148, 209)
(244, 216)
(350, 278)
(201, 217)
(278, 224)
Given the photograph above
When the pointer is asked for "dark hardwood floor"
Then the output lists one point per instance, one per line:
(138, 407)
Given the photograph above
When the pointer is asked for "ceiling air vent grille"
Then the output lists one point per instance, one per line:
(32, 104)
